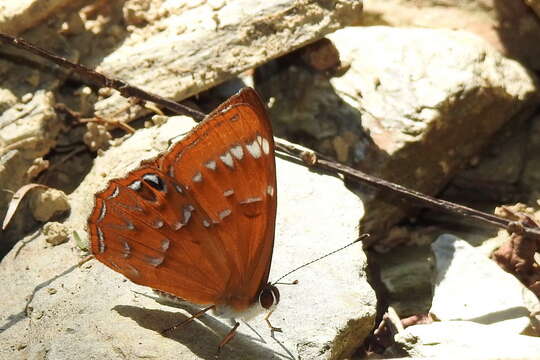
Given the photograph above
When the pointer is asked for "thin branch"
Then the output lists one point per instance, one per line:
(314, 160)
(293, 151)
(103, 81)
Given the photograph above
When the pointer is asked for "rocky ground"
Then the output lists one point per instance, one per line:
(438, 96)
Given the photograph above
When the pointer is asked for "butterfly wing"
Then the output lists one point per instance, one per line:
(134, 230)
(197, 222)
(235, 185)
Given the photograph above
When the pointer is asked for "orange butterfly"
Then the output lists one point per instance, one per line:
(197, 222)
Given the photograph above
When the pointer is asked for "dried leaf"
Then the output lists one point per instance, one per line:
(16, 200)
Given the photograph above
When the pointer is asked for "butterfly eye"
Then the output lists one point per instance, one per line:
(269, 296)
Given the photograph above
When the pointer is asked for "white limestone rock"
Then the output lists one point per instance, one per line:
(469, 286)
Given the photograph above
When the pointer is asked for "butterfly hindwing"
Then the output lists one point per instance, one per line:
(134, 231)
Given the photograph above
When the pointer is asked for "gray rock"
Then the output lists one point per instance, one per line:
(17, 16)
(509, 26)
(27, 132)
(48, 204)
(438, 93)
(466, 340)
(470, 286)
(94, 311)
(406, 274)
(188, 55)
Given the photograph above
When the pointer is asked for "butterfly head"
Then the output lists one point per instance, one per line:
(269, 296)
(241, 308)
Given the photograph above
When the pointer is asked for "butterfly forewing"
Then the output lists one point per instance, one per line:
(235, 185)
(198, 221)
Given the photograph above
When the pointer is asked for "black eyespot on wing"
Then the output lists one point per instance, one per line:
(143, 190)
(154, 181)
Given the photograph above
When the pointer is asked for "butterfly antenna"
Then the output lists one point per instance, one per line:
(362, 237)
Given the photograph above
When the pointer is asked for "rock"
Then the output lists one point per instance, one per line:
(466, 340)
(55, 233)
(174, 50)
(423, 109)
(469, 286)
(510, 27)
(28, 131)
(498, 174)
(531, 175)
(17, 16)
(438, 93)
(95, 311)
(96, 137)
(406, 274)
(236, 37)
(46, 204)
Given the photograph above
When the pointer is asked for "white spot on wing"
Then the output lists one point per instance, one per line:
(197, 177)
(265, 146)
(101, 239)
(237, 152)
(115, 193)
(155, 181)
(227, 159)
(254, 149)
(129, 225)
(187, 216)
(270, 190)
(188, 209)
(223, 214)
(250, 200)
(165, 244)
(158, 223)
(133, 271)
(136, 185)
(127, 249)
(228, 192)
(102, 212)
(154, 260)
(206, 223)
(211, 165)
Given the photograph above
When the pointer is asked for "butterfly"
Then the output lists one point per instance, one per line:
(197, 222)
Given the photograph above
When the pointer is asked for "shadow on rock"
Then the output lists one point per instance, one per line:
(203, 335)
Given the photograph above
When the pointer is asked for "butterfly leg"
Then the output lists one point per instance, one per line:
(228, 337)
(188, 320)
(272, 328)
